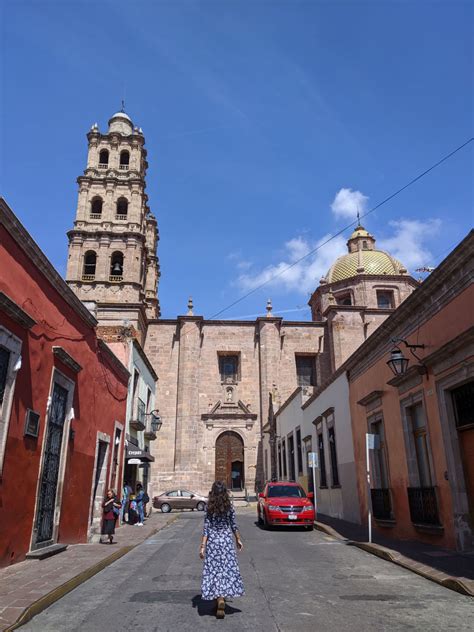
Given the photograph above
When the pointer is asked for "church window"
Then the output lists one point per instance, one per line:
(229, 367)
(96, 208)
(306, 370)
(385, 299)
(124, 160)
(103, 158)
(90, 260)
(116, 267)
(364, 245)
(343, 299)
(122, 208)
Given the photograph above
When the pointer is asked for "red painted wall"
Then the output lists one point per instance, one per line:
(99, 400)
(453, 319)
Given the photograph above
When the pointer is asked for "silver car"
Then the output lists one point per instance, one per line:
(179, 499)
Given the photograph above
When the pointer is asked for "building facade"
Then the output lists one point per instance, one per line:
(62, 405)
(422, 464)
(215, 377)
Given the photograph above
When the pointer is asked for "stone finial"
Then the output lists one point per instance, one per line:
(269, 308)
(190, 306)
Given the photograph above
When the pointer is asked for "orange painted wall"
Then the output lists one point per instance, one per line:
(453, 319)
(99, 400)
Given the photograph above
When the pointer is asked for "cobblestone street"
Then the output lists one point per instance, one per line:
(294, 580)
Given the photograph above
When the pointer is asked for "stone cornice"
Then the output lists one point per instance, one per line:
(112, 358)
(40, 261)
(288, 401)
(15, 312)
(145, 359)
(359, 278)
(86, 233)
(67, 359)
(371, 397)
(357, 308)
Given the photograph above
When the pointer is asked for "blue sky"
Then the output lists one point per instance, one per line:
(256, 115)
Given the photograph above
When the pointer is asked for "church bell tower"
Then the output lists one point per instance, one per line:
(112, 262)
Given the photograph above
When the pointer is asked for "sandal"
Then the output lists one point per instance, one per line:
(220, 613)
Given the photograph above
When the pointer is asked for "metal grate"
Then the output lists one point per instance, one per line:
(423, 505)
(381, 504)
(4, 361)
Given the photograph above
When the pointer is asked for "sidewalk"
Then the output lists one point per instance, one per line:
(29, 587)
(451, 569)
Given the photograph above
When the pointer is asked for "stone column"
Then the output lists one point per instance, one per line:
(188, 421)
(269, 354)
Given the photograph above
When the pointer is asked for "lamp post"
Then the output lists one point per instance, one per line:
(399, 364)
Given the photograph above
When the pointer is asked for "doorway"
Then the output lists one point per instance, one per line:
(46, 508)
(230, 460)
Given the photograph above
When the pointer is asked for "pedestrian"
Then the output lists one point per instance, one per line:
(221, 575)
(111, 508)
(140, 497)
(127, 490)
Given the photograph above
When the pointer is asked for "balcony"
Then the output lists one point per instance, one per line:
(103, 165)
(423, 506)
(138, 421)
(123, 167)
(121, 216)
(113, 278)
(88, 277)
(95, 216)
(150, 435)
(381, 504)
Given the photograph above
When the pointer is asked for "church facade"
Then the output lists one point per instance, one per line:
(218, 381)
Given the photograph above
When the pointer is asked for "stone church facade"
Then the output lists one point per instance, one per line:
(218, 381)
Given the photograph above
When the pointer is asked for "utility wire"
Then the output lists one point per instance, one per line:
(311, 252)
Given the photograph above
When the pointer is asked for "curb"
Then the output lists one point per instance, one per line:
(60, 591)
(465, 587)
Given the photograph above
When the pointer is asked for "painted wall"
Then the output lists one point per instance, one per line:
(451, 319)
(99, 399)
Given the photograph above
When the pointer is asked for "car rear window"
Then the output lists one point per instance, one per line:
(286, 490)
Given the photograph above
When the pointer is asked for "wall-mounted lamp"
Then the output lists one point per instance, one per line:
(399, 364)
(156, 422)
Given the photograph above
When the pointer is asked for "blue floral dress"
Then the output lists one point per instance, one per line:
(221, 574)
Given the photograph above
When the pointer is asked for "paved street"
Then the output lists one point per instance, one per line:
(295, 581)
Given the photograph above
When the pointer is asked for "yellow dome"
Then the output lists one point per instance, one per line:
(360, 232)
(372, 262)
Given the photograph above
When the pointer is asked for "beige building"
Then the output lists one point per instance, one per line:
(215, 378)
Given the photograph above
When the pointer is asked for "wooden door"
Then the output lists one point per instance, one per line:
(229, 451)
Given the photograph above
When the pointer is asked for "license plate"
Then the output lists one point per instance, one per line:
(292, 517)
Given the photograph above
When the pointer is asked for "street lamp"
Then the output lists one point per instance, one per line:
(156, 422)
(399, 364)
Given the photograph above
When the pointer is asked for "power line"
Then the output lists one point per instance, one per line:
(311, 252)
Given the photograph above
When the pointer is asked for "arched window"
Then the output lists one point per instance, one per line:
(364, 245)
(90, 260)
(96, 208)
(122, 208)
(116, 266)
(124, 159)
(104, 158)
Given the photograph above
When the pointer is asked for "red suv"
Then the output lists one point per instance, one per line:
(286, 504)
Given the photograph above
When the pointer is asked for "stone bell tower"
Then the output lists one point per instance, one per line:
(112, 262)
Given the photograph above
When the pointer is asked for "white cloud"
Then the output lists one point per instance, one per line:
(302, 276)
(347, 203)
(408, 244)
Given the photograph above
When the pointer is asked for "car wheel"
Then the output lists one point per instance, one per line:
(265, 521)
(310, 527)
(259, 518)
(201, 506)
(165, 508)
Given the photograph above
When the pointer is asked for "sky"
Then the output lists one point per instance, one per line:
(268, 125)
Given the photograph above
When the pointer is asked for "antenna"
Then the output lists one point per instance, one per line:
(358, 216)
(123, 105)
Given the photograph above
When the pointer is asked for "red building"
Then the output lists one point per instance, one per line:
(63, 398)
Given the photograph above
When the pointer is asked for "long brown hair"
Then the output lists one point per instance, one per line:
(218, 503)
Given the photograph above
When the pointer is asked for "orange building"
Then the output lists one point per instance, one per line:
(422, 467)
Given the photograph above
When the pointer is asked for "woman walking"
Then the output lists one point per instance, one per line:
(111, 508)
(221, 575)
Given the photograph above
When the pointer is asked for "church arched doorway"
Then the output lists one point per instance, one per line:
(230, 460)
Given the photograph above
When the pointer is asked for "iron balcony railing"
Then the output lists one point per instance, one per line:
(141, 409)
(423, 505)
(381, 503)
